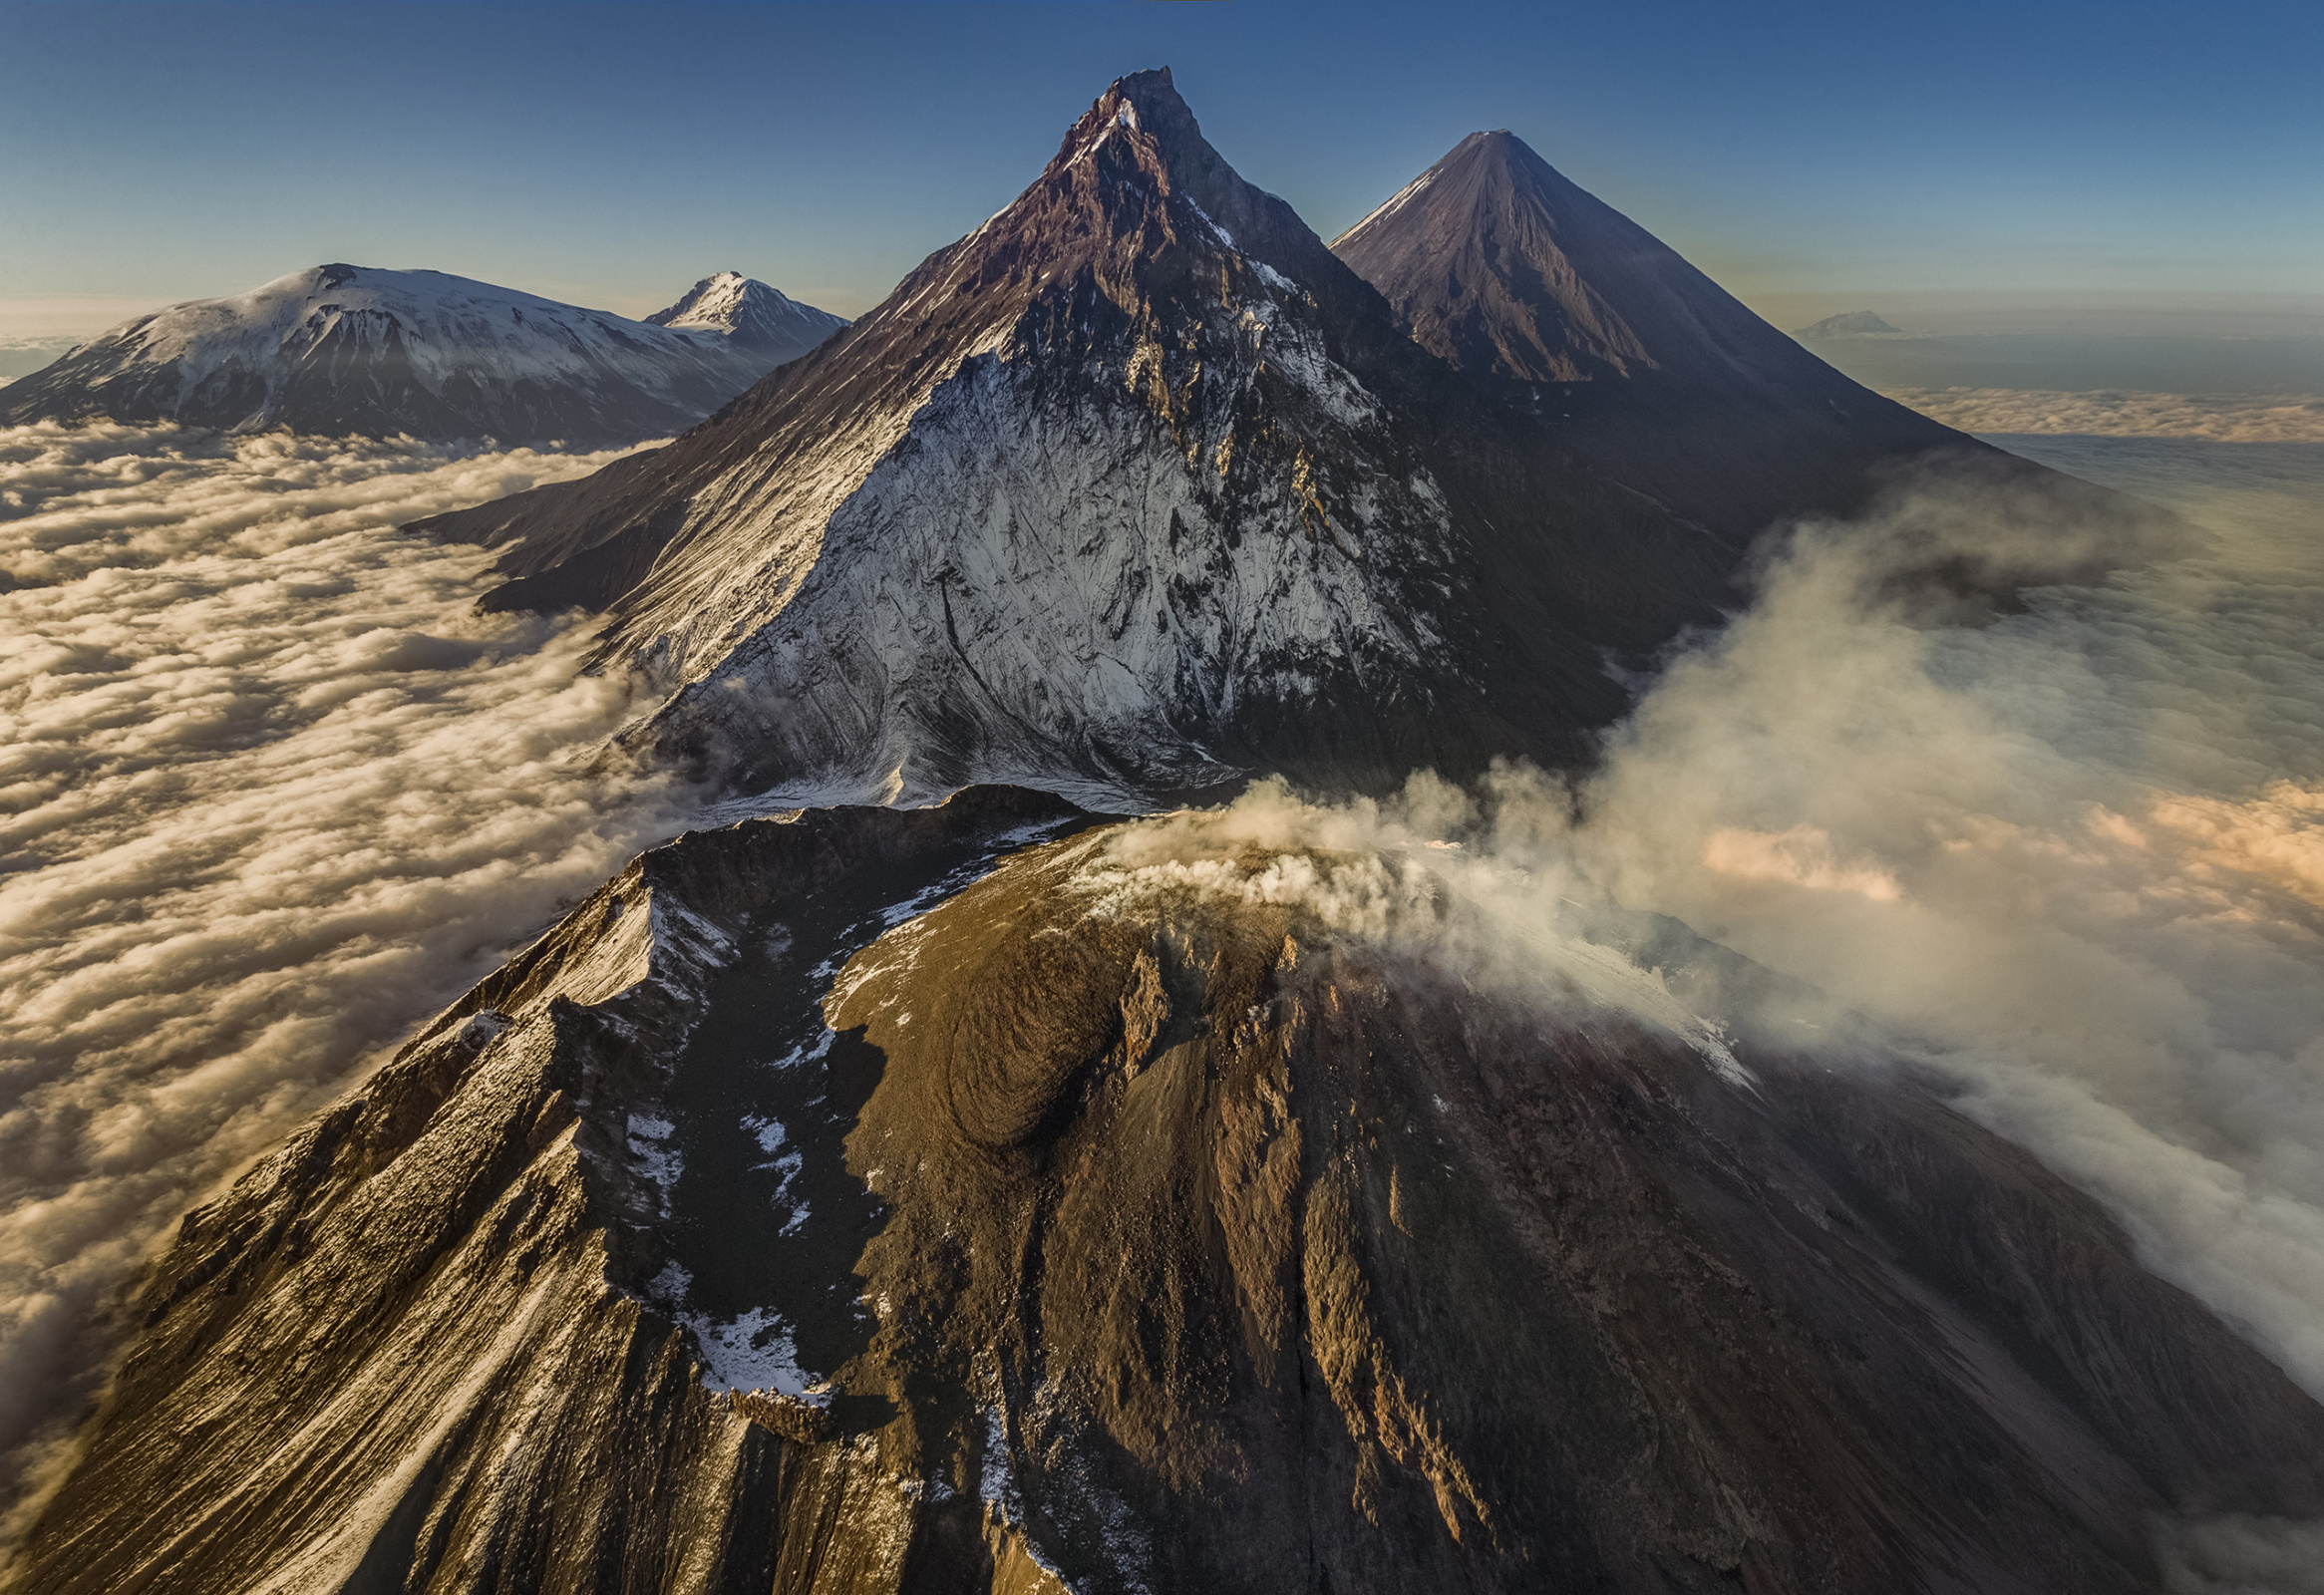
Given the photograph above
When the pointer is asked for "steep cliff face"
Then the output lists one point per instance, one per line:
(825, 1205)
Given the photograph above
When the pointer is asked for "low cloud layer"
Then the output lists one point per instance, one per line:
(269, 792)
(2252, 417)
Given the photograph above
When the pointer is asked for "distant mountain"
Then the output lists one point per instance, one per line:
(1852, 324)
(749, 315)
(1499, 263)
(340, 349)
(1496, 261)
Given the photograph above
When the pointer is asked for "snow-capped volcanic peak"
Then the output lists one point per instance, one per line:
(716, 304)
(1089, 495)
(750, 314)
(442, 321)
(357, 349)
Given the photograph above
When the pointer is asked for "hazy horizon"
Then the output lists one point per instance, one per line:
(2030, 173)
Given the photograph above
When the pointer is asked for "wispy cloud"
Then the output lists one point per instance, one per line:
(2076, 854)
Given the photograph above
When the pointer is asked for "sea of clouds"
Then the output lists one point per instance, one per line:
(270, 792)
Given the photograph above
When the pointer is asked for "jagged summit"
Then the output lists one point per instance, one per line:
(340, 349)
(1136, 484)
(750, 314)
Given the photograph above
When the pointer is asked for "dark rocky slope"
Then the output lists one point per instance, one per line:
(1496, 262)
(1145, 1243)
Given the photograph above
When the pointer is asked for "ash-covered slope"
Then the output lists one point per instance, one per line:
(752, 315)
(1079, 1235)
(339, 349)
(1499, 263)
(1135, 481)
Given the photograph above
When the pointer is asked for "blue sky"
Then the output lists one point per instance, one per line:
(1811, 157)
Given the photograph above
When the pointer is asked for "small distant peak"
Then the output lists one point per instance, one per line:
(712, 302)
(334, 275)
(1850, 324)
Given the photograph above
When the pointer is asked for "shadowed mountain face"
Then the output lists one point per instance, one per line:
(1139, 486)
(1495, 261)
(895, 1201)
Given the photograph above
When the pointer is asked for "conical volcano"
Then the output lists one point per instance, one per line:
(1496, 262)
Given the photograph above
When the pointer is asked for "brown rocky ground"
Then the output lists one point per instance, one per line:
(1139, 1242)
